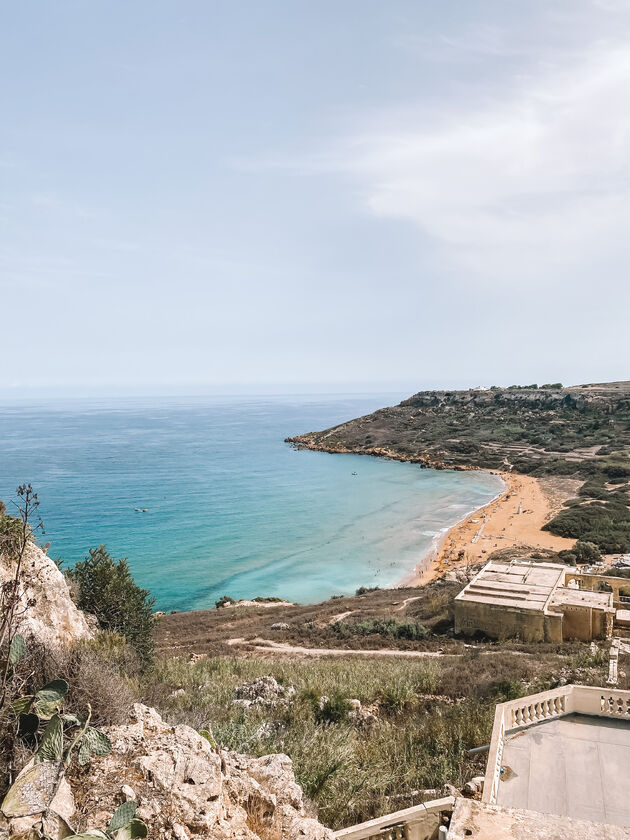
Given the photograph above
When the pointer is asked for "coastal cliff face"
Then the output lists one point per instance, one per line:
(46, 611)
(531, 430)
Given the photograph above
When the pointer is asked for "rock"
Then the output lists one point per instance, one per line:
(359, 715)
(128, 793)
(280, 625)
(263, 691)
(48, 613)
(179, 692)
(196, 657)
(451, 790)
(474, 786)
(188, 791)
(362, 716)
(268, 728)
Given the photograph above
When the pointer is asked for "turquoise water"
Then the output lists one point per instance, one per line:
(232, 509)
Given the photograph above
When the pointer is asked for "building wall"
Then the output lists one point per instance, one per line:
(505, 622)
(577, 624)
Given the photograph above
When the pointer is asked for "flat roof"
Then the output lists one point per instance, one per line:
(567, 595)
(576, 766)
(522, 584)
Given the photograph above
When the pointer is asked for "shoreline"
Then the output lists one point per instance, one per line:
(513, 518)
(421, 569)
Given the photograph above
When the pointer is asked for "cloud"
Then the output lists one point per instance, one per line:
(536, 183)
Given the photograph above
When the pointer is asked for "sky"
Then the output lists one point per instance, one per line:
(334, 195)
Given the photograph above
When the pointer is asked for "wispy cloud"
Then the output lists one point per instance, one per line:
(536, 182)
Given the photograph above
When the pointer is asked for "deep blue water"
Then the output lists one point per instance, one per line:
(232, 509)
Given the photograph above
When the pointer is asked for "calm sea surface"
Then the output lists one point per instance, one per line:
(231, 508)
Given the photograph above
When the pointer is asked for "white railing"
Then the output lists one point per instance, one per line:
(604, 702)
(569, 699)
(418, 823)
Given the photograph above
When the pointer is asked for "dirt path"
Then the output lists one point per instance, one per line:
(337, 618)
(269, 646)
(407, 601)
(280, 649)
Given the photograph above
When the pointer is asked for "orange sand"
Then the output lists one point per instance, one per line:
(497, 525)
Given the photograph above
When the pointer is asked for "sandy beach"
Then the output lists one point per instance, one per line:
(514, 518)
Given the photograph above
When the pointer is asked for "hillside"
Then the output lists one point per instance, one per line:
(582, 432)
(372, 696)
(533, 430)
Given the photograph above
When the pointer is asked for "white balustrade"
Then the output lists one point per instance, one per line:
(420, 822)
(569, 699)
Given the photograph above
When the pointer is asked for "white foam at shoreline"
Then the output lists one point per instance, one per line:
(438, 540)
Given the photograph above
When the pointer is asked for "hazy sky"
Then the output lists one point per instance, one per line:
(332, 191)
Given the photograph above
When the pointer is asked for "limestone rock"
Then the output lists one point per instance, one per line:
(362, 716)
(187, 791)
(263, 691)
(48, 612)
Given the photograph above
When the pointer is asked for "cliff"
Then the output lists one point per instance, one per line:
(579, 430)
(46, 610)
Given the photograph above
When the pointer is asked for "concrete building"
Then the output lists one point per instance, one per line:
(536, 602)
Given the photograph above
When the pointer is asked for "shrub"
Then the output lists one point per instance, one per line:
(93, 676)
(223, 600)
(606, 524)
(582, 552)
(587, 552)
(334, 709)
(506, 689)
(108, 591)
(363, 590)
(389, 627)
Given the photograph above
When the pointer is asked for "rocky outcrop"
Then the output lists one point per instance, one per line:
(265, 692)
(186, 790)
(46, 611)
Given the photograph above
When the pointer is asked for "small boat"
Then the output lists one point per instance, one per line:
(355, 473)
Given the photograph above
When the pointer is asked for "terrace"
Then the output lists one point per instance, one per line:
(558, 764)
(564, 752)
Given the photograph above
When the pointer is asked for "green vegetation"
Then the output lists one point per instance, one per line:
(223, 601)
(428, 715)
(38, 725)
(582, 553)
(124, 825)
(388, 627)
(604, 522)
(333, 709)
(108, 591)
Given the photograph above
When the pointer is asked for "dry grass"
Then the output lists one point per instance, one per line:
(429, 714)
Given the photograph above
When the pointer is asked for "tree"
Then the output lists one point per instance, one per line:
(108, 591)
(583, 552)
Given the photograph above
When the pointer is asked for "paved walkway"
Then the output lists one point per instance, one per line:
(576, 766)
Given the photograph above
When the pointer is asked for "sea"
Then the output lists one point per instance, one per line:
(204, 498)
